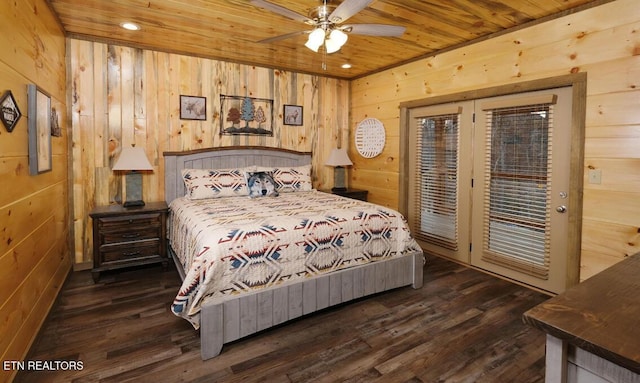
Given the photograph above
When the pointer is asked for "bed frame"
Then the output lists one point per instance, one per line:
(243, 315)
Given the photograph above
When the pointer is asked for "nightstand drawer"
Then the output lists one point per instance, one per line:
(130, 222)
(129, 235)
(130, 251)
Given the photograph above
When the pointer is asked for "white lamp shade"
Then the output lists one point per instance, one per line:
(339, 157)
(316, 39)
(132, 159)
(332, 46)
(314, 48)
(338, 36)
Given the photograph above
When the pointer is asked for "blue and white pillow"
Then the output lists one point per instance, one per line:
(291, 179)
(214, 183)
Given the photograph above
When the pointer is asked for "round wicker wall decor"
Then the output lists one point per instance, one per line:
(370, 137)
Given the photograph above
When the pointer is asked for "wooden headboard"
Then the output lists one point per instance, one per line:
(227, 157)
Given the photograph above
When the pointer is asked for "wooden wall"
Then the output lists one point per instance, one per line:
(34, 220)
(604, 42)
(122, 96)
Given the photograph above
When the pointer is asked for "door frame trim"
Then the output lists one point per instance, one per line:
(578, 82)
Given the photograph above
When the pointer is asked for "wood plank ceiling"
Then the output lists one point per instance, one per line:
(230, 30)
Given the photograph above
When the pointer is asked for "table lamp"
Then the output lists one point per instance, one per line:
(133, 160)
(339, 159)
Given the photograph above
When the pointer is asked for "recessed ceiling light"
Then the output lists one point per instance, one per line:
(130, 26)
(346, 66)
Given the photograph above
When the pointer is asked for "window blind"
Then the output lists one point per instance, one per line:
(436, 189)
(517, 180)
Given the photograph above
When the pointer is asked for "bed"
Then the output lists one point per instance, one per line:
(225, 301)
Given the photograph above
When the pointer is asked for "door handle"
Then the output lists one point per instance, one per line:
(561, 209)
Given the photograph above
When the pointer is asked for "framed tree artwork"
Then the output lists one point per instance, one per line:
(246, 116)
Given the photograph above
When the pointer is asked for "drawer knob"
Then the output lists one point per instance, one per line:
(132, 235)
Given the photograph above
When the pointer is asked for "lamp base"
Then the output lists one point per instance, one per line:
(338, 179)
(338, 190)
(134, 189)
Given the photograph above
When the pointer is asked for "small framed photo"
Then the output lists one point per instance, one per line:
(56, 130)
(10, 114)
(193, 108)
(292, 115)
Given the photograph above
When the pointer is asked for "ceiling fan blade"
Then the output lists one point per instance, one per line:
(282, 37)
(347, 9)
(281, 11)
(375, 29)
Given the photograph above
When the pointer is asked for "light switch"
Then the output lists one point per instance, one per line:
(595, 176)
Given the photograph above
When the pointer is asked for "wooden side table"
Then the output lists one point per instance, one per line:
(125, 237)
(590, 327)
(351, 193)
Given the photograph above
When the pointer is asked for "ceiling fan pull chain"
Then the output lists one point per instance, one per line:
(324, 59)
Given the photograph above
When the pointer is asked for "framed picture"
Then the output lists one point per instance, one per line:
(246, 116)
(193, 108)
(56, 130)
(39, 127)
(292, 115)
(10, 113)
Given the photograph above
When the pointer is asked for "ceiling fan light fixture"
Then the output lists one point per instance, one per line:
(336, 40)
(316, 39)
(314, 48)
(326, 21)
(338, 36)
(331, 45)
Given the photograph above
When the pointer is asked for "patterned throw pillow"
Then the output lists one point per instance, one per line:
(214, 183)
(293, 179)
(261, 184)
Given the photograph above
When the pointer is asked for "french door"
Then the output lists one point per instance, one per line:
(440, 178)
(489, 185)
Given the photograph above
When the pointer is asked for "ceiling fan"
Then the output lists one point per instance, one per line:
(326, 19)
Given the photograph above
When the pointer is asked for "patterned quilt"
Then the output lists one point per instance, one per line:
(233, 245)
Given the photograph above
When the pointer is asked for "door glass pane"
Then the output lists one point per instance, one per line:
(437, 171)
(518, 172)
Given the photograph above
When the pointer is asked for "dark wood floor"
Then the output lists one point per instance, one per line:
(462, 326)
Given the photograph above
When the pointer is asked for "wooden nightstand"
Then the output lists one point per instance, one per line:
(351, 193)
(124, 237)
